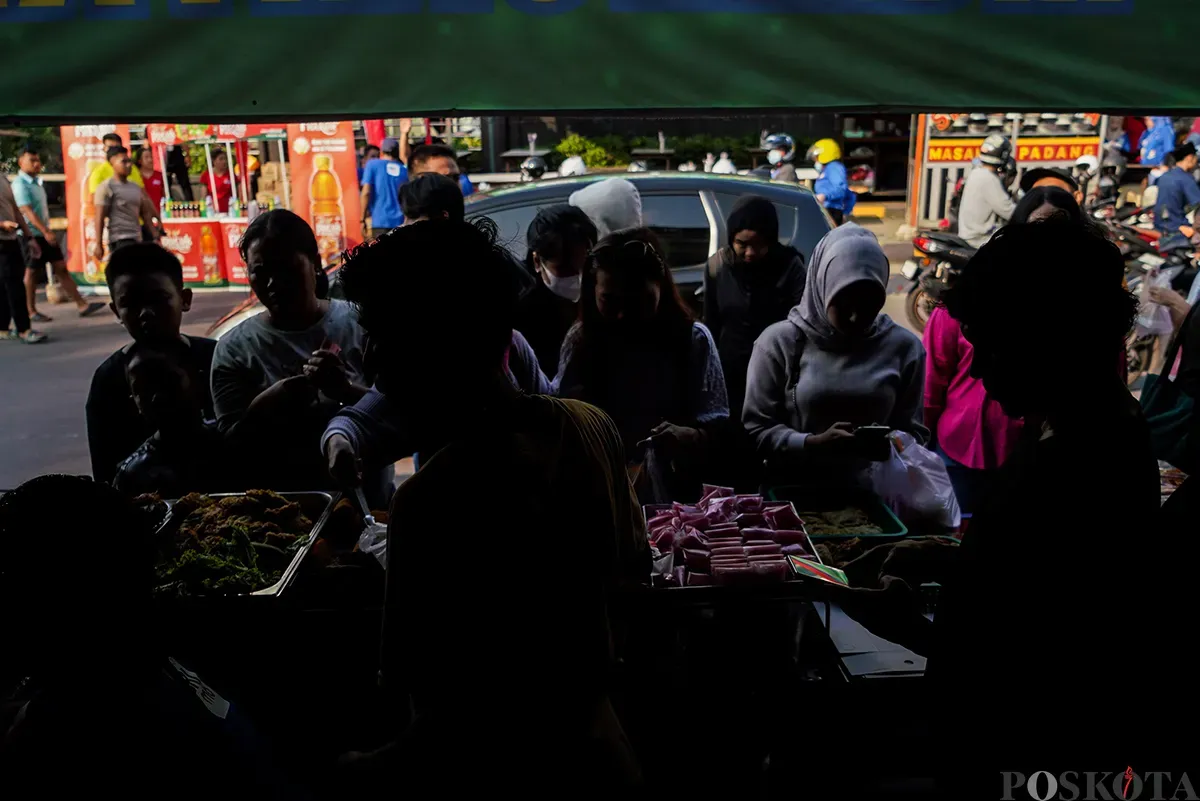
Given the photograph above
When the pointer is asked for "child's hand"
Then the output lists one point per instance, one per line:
(344, 465)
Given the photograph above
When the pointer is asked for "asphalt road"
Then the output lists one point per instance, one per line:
(43, 387)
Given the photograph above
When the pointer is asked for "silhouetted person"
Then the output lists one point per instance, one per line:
(104, 709)
(1037, 643)
(534, 715)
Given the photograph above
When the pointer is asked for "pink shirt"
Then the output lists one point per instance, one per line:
(970, 427)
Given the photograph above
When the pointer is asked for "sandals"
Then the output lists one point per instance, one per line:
(38, 317)
(30, 337)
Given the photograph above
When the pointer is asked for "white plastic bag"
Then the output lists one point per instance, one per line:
(914, 483)
(1154, 319)
(373, 540)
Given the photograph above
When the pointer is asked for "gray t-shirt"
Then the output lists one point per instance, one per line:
(124, 202)
(985, 206)
(256, 354)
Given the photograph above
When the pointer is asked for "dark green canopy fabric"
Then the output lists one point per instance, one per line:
(213, 60)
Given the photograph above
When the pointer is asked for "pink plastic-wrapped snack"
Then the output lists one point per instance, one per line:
(751, 520)
(749, 503)
(696, 560)
(770, 571)
(699, 580)
(748, 543)
(757, 533)
(727, 550)
(771, 557)
(692, 540)
(717, 492)
(796, 549)
(666, 538)
(697, 519)
(660, 520)
(724, 528)
(791, 538)
(760, 550)
(733, 575)
(783, 517)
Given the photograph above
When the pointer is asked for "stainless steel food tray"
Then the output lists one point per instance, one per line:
(316, 506)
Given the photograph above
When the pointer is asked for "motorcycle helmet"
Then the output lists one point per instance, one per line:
(533, 168)
(977, 123)
(1046, 123)
(995, 150)
(724, 166)
(638, 166)
(573, 165)
(781, 141)
(824, 151)
(960, 123)
(1087, 166)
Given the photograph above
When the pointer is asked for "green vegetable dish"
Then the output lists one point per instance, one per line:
(230, 546)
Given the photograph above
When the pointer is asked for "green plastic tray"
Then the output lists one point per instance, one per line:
(825, 499)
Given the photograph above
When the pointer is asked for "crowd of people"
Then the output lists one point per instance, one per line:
(579, 385)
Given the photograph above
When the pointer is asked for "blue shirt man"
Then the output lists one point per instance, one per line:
(381, 182)
(1177, 190)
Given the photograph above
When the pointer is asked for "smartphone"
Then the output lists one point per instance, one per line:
(872, 442)
(872, 432)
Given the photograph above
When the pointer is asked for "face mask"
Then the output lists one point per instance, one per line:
(568, 287)
(775, 157)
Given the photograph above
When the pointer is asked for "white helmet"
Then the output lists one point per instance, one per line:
(572, 165)
(1087, 165)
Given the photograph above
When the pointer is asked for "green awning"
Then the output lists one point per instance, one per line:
(217, 60)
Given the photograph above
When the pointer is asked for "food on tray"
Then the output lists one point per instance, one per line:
(231, 545)
(839, 522)
(153, 508)
(840, 552)
(726, 539)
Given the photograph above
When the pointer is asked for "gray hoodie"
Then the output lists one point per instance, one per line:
(805, 375)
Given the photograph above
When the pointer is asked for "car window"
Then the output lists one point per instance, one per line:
(804, 222)
(513, 223)
(681, 225)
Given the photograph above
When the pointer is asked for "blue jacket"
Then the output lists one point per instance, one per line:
(1157, 142)
(1176, 190)
(836, 189)
(464, 183)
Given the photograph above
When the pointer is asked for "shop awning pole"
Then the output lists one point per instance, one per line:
(283, 168)
(212, 178)
(233, 165)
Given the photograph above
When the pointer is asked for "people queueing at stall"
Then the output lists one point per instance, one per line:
(381, 180)
(122, 208)
(149, 299)
(30, 197)
(832, 186)
(559, 239)
(836, 363)
(638, 354)
(535, 712)
(749, 284)
(105, 704)
(279, 377)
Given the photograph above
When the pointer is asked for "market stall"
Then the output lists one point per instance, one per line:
(202, 235)
(947, 143)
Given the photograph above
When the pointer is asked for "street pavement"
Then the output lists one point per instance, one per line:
(43, 387)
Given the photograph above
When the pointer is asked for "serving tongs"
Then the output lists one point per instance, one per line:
(373, 539)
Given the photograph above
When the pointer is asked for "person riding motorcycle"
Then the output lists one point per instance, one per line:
(832, 188)
(1177, 190)
(781, 149)
(986, 203)
(532, 168)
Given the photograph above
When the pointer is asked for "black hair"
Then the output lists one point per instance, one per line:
(633, 254)
(426, 153)
(115, 150)
(290, 229)
(30, 150)
(754, 213)
(392, 279)
(393, 151)
(1070, 261)
(556, 230)
(1055, 196)
(432, 195)
(369, 148)
(143, 258)
(115, 559)
(136, 155)
(112, 137)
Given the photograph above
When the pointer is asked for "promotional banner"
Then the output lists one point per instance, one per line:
(537, 56)
(165, 134)
(83, 152)
(198, 244)
(232, 232)
(1040, 148)
(325, 182)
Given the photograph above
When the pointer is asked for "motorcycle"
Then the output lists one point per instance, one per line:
(937, 259)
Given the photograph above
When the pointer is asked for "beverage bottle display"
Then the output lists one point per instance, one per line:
(325, 199)
(164, 209)
(93, 271)
(210, 256)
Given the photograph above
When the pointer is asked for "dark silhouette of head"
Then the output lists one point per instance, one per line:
(753, 228)
(437, 301)
(431, 196)
(76, 575)
(284, 263)
(1042, 363)
(1048, 203)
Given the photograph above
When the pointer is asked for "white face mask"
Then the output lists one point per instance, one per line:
(568, 287)
(775, 156)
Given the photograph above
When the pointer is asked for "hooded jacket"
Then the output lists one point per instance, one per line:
(805, 375)
(1158, 142)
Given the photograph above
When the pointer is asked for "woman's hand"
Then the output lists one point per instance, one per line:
(673, 439)
(1165, 296)
(838, 437)
(344, 465)
(327, 372)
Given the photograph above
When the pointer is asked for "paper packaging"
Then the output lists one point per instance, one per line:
(270, 171)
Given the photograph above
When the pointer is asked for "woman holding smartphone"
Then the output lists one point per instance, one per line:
(834, 365)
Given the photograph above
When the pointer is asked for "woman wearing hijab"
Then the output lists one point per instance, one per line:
(749, 285)
(558, 239)
(834, 364)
